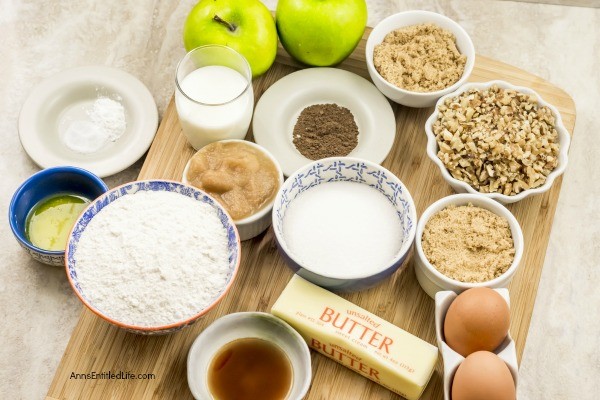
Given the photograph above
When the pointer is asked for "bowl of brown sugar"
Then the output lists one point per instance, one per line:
(465, 241)
(416, 57)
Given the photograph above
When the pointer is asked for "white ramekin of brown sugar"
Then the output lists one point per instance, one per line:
(429, 276)
(411, 98)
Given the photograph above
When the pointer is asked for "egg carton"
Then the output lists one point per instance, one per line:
(506, 351)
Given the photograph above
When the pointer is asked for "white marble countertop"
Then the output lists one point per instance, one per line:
(561, 44)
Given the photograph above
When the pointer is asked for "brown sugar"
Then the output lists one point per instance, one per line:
(468, 243)
(419, 58)
(325, 130)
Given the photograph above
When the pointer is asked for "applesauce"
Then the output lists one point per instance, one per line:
(237, 174)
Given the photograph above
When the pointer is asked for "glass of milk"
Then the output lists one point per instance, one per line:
(214, 95)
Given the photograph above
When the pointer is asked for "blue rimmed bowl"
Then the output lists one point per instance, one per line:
(346, 169)
(233, 247)
(40, 186)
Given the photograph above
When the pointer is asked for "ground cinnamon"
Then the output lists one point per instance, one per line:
(325, 130)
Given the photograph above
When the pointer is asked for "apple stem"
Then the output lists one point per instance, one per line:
(220, 20)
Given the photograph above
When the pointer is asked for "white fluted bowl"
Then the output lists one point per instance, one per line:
(462, 187)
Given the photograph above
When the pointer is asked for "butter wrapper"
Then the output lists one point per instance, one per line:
(357, 339)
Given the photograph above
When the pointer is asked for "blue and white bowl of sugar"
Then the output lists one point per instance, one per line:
(344, 223)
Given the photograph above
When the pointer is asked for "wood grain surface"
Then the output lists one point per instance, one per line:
(96, 346)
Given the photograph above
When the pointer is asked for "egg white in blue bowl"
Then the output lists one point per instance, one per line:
(37, 190)
(344, 223)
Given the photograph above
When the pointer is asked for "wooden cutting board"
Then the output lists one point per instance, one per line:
(96, 346)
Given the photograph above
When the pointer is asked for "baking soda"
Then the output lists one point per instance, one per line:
(105, 123)
(342, 229)
(85, 137)
(153, 258)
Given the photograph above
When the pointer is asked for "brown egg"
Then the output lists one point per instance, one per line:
(483, 376)
(478, 319)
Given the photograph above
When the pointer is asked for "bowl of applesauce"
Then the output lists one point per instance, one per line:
(242, 176)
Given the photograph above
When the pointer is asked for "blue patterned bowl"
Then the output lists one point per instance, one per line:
(233, 246)
(348, 169)
(45, 183)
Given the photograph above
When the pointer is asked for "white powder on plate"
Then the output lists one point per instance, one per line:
(106, 123)
(109, 115)
(153, 258)
(342, 229)
(85, 137)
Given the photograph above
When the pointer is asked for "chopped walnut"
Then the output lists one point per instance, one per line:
(497, 140)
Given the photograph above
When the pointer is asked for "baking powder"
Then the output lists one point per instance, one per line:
(109, 115)
(153, 258)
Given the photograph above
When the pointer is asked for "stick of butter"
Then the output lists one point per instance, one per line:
(357, 339)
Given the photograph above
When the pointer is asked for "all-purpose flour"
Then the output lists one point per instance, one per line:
(153, 258)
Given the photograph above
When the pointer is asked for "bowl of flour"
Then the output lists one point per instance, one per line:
(152, 256)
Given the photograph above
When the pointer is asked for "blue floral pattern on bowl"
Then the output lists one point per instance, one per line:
(346, 169)
(56, 260)
(233, 244)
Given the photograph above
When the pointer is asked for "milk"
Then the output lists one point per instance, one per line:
(225, 111)
(343, 229)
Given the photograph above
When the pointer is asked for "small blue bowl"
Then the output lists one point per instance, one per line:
(43, 184)
(346, 169)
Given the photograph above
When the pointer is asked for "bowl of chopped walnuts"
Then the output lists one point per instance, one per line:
(499, 140)
(415, 57)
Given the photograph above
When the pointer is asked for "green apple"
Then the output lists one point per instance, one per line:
(246, 26)
(320, 32)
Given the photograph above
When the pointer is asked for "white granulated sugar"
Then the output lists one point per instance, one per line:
(153, 258)
(342, 229)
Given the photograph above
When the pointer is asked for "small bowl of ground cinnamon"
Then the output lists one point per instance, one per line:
(465, 241)
(416, 57)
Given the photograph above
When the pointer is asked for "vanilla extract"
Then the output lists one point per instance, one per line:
(250, 369)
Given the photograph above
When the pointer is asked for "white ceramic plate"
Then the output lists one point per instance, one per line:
(279, 107)
(66, 97)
